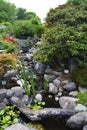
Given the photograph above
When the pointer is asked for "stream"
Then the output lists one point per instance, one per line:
(46, 124)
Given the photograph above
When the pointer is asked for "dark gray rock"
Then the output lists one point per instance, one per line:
(6, 101)
(16, 101)
(9, 74)
(2, 94)
(17, 126)
(70, 87)
(2, 106)
(77, 121)
(37, 115)
(40, 68)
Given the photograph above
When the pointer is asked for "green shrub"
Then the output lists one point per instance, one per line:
(7, 62)
(24, 29)
(82, 98)
(65, 34)
(80, 77)
(8, 47)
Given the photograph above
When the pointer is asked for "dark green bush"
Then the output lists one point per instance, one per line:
(24, 29)
(66, 34)
(80, 77)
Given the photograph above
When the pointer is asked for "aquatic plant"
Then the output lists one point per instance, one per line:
(8, 116)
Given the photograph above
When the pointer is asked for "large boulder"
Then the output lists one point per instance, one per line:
(77, 121)
(18, 126)
(67, 102)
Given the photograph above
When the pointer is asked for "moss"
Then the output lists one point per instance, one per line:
(80, 77)
(82, 98)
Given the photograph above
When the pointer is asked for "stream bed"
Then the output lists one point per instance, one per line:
(46, 124)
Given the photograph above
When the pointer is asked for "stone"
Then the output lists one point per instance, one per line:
(77, 121)
(18, 91)
(73, 93)
(9, 74)
(64, 82)
(40, 68)
(52, 72)
(56, 82)
(1, 51)
(9, 93)
(2, 94)
(50, 113)
(49, 78)
(25, 99)
(82, 90)
(59, 94)
(66, 71)
(6, 101)
(20, 82)
(29, 56)
(17, 126)
(84, 127)
(80, 108)
(2, 106)
(67, 102)
(70, 87)
(16, 101)
(52, 88)
(38, 97)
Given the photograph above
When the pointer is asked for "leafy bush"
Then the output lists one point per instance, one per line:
(9, 45)
(26, 28)
(82, 98)
(80, 77)
(65, 35)
(7, 61)
(8, 116)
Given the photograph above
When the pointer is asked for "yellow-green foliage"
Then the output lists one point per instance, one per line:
(7, 61)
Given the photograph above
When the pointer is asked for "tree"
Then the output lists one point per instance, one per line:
(7, 11)
(65, 35)
(21, 14)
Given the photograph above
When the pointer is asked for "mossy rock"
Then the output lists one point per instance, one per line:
(80, 77)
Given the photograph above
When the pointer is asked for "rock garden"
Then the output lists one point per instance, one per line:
(43, 70)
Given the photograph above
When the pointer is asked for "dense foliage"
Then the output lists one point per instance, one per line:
(26, 28)
(7, 62)
(65, 35)
(82, 98)
(80, 77)
(7, 11)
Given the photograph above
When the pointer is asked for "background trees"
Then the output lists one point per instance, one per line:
(7, 11)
